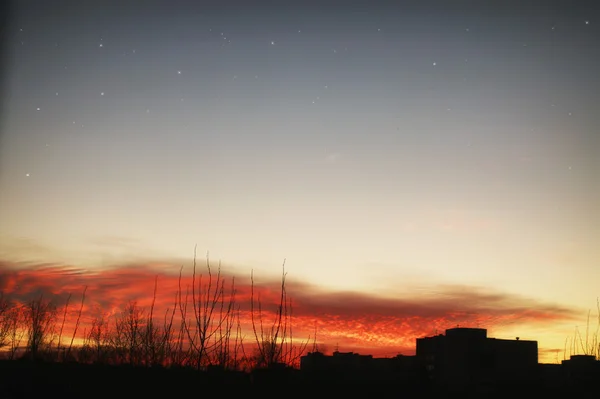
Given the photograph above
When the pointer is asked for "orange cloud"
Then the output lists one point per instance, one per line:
(357, 322)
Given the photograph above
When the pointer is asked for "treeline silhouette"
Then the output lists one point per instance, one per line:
(202, 329)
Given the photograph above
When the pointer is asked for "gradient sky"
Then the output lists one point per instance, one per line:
(379, 147)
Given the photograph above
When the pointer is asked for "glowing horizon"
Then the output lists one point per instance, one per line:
(380, 325)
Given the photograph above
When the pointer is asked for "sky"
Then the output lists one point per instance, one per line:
(396, 155)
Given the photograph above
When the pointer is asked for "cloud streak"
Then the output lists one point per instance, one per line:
(355, 321)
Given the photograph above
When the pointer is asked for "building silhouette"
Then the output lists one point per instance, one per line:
(467, 355)
(581, 369)
(461, 356)
(352, 366)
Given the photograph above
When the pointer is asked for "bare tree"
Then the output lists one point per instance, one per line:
(127, 336)
(156, 340)
(96, 341)
(11, 333)
(77, 322)
(212, 310)
(181, 357)
(169, 346)
(40, 321)
(5, 322)
(238, 344)
(62, 326)
(274, 345)
(16, 319)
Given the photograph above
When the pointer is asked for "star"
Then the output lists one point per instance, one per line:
(435, 63)
(57, 93)
(100, 45)
(587, 22)
(272, 43)
(27, 174)
(102, 93)
(178, 72)
(38, 108)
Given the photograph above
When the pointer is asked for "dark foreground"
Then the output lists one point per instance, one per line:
(25, 379)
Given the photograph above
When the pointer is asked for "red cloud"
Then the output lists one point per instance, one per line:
(355, 321)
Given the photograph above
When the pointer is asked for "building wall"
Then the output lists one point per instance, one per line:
(513, 359)
(467, 355)
(429, 355)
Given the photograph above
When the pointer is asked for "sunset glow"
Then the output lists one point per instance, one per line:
(351, 321)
